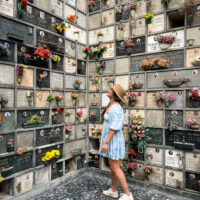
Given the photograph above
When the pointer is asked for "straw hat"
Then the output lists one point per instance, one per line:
(120, 92)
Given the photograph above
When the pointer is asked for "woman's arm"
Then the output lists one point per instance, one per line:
(109, 137)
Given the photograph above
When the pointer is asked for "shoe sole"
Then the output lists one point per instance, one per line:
(111, 196)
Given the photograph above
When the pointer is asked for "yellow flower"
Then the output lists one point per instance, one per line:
(44, 159)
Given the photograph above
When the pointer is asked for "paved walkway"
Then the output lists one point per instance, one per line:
(89, 187)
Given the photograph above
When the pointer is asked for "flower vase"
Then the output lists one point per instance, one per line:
(164, 46)
(129, 50)
(67, 136)
(132, 13)
(100, 38)
(76, 86)
(19, 80)
(84, 55)
(30, 102)
(101, 71)
(132, 103)
(133, 173)
(76, 36)
(190, 19)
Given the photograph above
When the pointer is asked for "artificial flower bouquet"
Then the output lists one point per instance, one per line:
(60, 27)
(149, 17)
(68, 129)
(100, 65)
(4, 51)
(96, 132)
(148, 171)
(98, 51)
(92, 117)
(20, 71)
(132, 97)
(51, 157)
(194, 94)
(191, 123)
(77, 83)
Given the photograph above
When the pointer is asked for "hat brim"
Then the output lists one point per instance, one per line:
(122, 98)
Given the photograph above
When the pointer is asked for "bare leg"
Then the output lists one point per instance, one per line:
(119, 174)
(114, 182)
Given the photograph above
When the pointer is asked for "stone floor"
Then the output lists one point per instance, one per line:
(89, 187)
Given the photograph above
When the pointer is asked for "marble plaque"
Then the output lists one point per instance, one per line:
(141, 9)
(157, 24)
(173, 178)
(110, 51)
(104, 100)
(155, 136)
(121, 34)
(94, 99)
(57, 7)
(92, 68)
(22, 100)
(80, 131)
(8, 122)
(94, 87)
(137, 112)
(93, 38)
(6, 75)
(154, 155)
(24, 183)
(70, 80)
(108, 33)
(192, 181)
(175, 116)
(57, 81)
(4, 139)
(138, 78)
(151, 100)
(81, 5)
(70, 65)
(6, 7)
(174, 3)
(71, 118)
(154, 118)
(191, 54)
(84, 115)
(80, 52)
(44, 4)
(174, 159)
(69, 11)
(138, 27)
(122, 65)
(82, 36)
(193, 114)
(192, 161)
(157, 176)
(193, 36)
(9, 93)
(25, 140)
(139, 99)
(123, 81)
(179, 102)
(126, 116)
(153, 46)
(157, 6)
(41, 98)
(105, 84)
(108, 17)
(68, 100)
(71, 2)
(42, 176)
(94, 21)
(81, 20)
(81, 101)
(27, 79)
(70, 48)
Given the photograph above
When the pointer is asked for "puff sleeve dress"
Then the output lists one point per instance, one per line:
(114, 120)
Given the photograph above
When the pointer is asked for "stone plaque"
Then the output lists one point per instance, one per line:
(6, 162)
(94, 87)
(9, 93)
(96, 111)
(56, 170)
(27, 79)
(70, 48)
(108, 4)
(193, 37)
(24, 183)
(110, 51)
(68, 100)
(6, 7)
(80, 131)
(123, 81)
(121, 34)
(82, 36)
(94, 99)
(104, 100)
(93, 38)
(193, 114)
(58, 66)
(81, 19)
(192, 161)
(70, 80)
(41, 97)
(157, 176)
(81, 101)
(138, 78)
(120, 49)
(95, 7)
(137, 112)
(69, 11)
(154, 118)
(141, 9)
(157, 24)
(175, 59)
(179, 102)
(175, 3)
(6, 75)
(157, 6)
(122, 62)
(81, 67)
(174, 159)
(8, 121)
(44, 4)
(92, 68)
(153, 46)
(81, 5)
(108, 17)
(11, 29)
(174, 116)
(48, 40)
(139, 99)
(124, 15)
(139, 174)
(41, 152)
(83, 117)
(23, 117)
(108, 33)
(94, 21)
(57, 7)
(49, 135)
(173, 178)
(57, 81)
(105, 84)
(42, 82)
(192, 181)
(154, 155)
(191, 54)
(11, 54)
(22, 100)
(25, 140)
(4, 139)
(71, 118)
(138, 27)
(42, 176)
(80, 52)
(70, 65)
(190, 102)
(151, 100)
(155, 136)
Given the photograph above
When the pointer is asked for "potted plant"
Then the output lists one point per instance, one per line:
(133, 85)
(55, 114)
(132, 154)
(148, 171)
(169, 98)
(100, 36)
(131, 96)
(101, 64)
(76, 34)
(51, 157)
(92, 117)
(128, 44)
(159, 98)
(41, 56)
(196, 61)
(20, 71)
(3, 102)
(4, 51)
(58, 99)
(10, 145)
(60, 27)
(86, 52)
(165, 41)
(191, 123)
(77, 83)
(95, 81)
(77, 151)
(118, 13)
(74, 97)
(148, 18)
(1, 119)
(132, 167)
(55, 59)
(79, 114)
(29, 95)
(68, 131)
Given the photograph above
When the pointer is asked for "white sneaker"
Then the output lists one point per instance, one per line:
(110, 193)
(126, 197)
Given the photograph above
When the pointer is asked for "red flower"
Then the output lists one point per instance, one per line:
(24, 3)
(58, 110)
(81, 149)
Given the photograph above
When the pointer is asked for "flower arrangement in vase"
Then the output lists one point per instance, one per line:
(136, 119)
(60, 27)
(165, 41)
(148, 171)
(132, 167)
(100, 64)
(4, 51)
(71, 18)
(19, 72)
(100, 36)
(169, 98)
(55, 59)
(96, 132)
(41, 56)
(98, 51)
(194, 96)
(132, 154)
(191, 123)
(1, 119)
(68, 131)
(91, 3)
(77, 83)
(132, 98)
(34, 120)
(159, 98)
(79, 114)
(22, 4)
(58, 99)
(55, 114)
(51, 157)
(133, 85)
(3, 101)
(76, 34)
(77, 151)
(86, 51)
(50, 98)
(29, 95)
(128, 44)
(10, 145)
(92, 117)
(68, 113)
(172, 125)
(74, 97)
(148, 18)
(20, 151)
(196, 61)
(95, 81)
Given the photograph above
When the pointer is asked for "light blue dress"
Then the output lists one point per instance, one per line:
(114, 120)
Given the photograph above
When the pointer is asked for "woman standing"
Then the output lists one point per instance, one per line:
(112, 143)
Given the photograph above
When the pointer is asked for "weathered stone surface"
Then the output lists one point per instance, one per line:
(7, 74)
(42, 176)
(25, 140)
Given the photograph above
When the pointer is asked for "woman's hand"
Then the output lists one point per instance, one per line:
(104, 148)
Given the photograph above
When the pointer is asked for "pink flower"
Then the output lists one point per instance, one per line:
(133, 126)
(140, 138)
